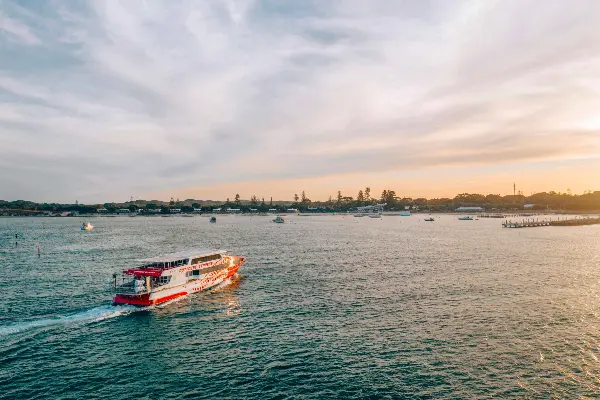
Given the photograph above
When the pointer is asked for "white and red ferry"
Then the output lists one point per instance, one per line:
(164, 278)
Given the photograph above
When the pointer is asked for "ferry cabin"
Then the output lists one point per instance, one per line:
(174, 270)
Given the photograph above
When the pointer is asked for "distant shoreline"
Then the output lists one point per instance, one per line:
(509, 214)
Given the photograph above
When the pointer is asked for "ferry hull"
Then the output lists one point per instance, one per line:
(162, 296)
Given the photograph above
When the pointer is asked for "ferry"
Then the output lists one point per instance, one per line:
(171, 276)
(86, 226)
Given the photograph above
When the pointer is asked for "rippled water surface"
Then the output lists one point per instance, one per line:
(325, 307)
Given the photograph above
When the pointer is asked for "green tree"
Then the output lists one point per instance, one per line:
(303, 197)
(254, 200)
(360, 197)
(367, 194)
(296, 198)
(339, 198)
(237, 199)
(389, 197)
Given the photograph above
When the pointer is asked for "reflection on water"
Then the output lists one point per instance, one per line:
(326, 307)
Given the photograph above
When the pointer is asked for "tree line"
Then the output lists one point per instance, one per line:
(539, 201)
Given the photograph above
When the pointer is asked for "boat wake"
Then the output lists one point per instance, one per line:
(95, 314)
(92, 315)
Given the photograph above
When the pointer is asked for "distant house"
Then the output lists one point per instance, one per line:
(253, 209)
(529, 206)
(371, 208)
(292, 210)
(197, 210)
(233, 210)
(469, 209)
(123, 211)
(216, 209)
(175, 210)
(102, 210)
(272, 210)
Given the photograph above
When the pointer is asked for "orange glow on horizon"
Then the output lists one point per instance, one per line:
(430, 183)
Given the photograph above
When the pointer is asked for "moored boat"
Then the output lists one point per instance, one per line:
(279, 220)
(171, 276)
(429, 219)
(468, 218)
(359, 215)
(213, 219)
(86, 226)
(405, 214)
(375, 215)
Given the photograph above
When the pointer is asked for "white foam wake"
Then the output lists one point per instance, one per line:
(91, 315)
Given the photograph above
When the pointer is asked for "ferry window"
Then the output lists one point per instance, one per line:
(164, 280)
(196, 272)
(195, 260)
(211, 269)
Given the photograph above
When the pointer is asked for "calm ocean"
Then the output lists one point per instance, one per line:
(326, 307)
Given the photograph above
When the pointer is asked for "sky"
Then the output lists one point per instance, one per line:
(106, 100)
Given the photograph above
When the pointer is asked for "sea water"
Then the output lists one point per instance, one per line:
(326, 307)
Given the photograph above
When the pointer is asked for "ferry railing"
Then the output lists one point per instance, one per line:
(129, 288)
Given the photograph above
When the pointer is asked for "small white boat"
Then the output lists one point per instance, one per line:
(279, 220)
(469, 218)
(86, 226)
(359, 215)
(375, 215)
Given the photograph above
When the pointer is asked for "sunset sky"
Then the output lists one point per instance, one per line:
(100, 101)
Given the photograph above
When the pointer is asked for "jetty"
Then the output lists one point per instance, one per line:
(533, 223)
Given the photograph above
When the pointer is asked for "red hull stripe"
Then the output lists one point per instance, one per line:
(144, 300)
(133, 300)
(171, 297)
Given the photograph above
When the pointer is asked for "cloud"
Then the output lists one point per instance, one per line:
(166, 94)
(14, 30)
